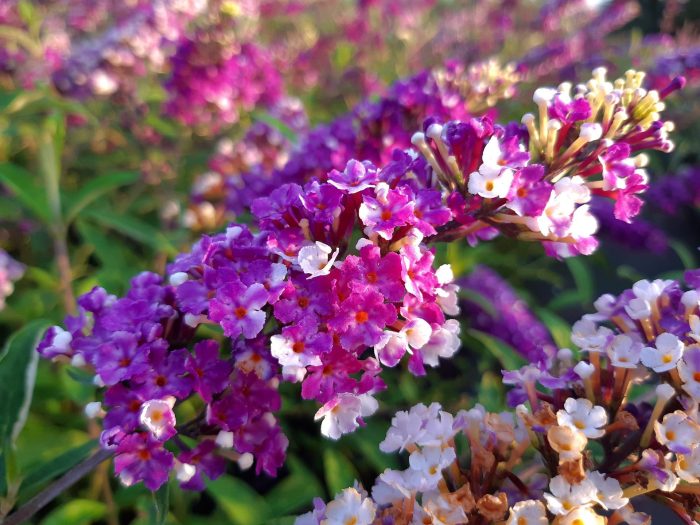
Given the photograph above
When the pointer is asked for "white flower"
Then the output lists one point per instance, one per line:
(668, 351)
(677, 432)
(429, 462)
(584, 370)
(390, 487)
(589, 337)
(418, 332)
(444, 342)
(609, 494)
(650, 291)
(529, 512)
(444, 274)
(407, 428)
(490, 185)
(604, 306)
(158, 417)
(436, 510)
(341, 413)
(694, 328)
(690, 299)
(224, 439)
(94, 409)
(565, 496)
(582, 516)
(184, 471)
(447, 300)
(350, 507)
(624, 352)
(290, 354)
(688, 465)
(638, 308)
(580, 414)
(317, 259)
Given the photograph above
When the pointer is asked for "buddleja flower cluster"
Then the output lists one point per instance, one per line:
(371, 131)
(596, 448)
(337, 281)
(536, 184)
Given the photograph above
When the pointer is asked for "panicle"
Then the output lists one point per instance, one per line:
(579, 446)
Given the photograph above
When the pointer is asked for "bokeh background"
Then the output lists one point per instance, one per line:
(129, 128)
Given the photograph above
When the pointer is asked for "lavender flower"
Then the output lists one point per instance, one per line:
(508, 317)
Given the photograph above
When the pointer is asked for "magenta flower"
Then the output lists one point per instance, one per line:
(209, 372)
(361, 319)
(372, 271)
(237, 309)
(429, 212)
(357, 176)
(140, 458)
(387, 210)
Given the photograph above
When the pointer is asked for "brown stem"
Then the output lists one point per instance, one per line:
(38, 502)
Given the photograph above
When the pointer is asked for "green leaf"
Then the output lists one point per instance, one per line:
(21, 183)
(161, 505)
(491, 392)
(277, 124)
(582, 277)
(56, 467)
(340, 473)
(95, 188)
(295, 492)
(77, 512)
(18, 362)
(241, 504)
(558, 327)
(508, 357)
(686, 256)
(133, 228)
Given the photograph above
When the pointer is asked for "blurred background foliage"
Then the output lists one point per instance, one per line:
(94, 190)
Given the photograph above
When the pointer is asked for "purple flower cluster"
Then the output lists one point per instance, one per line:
(337, 280)
(371, 132)
(335, 314)
(638, 235)
(671, 193)
(138, 42)
(263, 149)
(506, 317)
(535, 181)
(10, 271)
(685, 62)
(212, 81)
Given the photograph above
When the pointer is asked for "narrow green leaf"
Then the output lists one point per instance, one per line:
(295, 492)
(560, 329)
(161, 505)
(96, 188)
(18, 362)
(21, 183)
(277, 124)
(491, 392)
(582, 277)
(133, 228)
(76, 512)
(508, 357)
(686, 256)
(54, 468)
(241, 504)
(339, 471)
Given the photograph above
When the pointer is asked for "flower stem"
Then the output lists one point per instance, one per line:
(38, 502)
